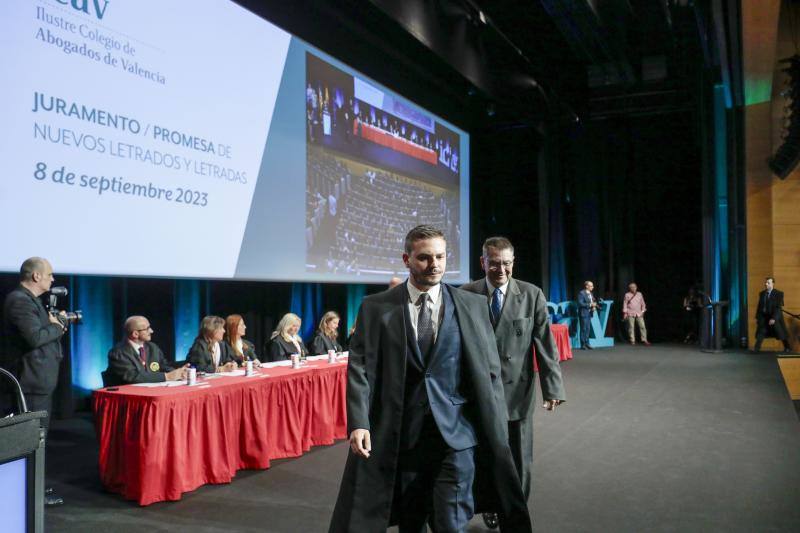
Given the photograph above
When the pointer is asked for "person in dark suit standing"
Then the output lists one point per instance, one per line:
(518, 311)
(286, 340)
(586, 308)
(33, 341)
(769, 316)
(327, 337)
(209, 353)
(137, 359)
(424, 404)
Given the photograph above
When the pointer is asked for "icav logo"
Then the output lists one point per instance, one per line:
(90, 7)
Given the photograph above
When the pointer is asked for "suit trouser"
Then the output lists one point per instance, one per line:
(434, 484)
(41, 402)
(586, 327)
(633, 323)
(761, 332)
(520, 440)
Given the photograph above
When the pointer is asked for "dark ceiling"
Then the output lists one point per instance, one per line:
(475, 61)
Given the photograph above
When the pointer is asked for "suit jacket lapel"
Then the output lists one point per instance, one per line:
(478, 361)
(134, 355)
(447, 316)
(510, 306)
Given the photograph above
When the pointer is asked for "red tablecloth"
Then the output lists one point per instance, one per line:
(398, 144)
(561, 335)
(157, 443)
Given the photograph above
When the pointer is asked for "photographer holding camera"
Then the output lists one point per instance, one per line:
(33, 340)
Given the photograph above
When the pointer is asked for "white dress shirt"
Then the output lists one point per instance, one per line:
(215, 354)
(503, 289)
(434, 304)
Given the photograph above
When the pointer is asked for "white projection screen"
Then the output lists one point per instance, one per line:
(134, 144)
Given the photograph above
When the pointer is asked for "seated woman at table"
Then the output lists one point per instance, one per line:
(327, 335)
(241, 348)
(285, 340)
(209, 353)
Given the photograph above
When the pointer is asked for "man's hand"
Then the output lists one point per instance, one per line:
(177, 374)
(550, 405)
(624, 316)
(360, 443)
(54, 320)
(771, 321)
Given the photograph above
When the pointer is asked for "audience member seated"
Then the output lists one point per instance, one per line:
(242, 349)
(285, 340)
(327, 335)
(208, 353)
(136, 359)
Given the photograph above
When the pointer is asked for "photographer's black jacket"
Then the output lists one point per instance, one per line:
(32, 342)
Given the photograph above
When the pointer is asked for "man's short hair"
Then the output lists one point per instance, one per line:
(29, 266)
(422, 233)
(770, 278)
(131, 323)
(499, 243)
(587, 282)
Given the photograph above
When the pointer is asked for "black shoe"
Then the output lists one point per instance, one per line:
(491, 520)
(51, 500)
(589, 347)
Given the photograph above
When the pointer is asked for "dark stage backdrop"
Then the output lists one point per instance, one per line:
(633, 198)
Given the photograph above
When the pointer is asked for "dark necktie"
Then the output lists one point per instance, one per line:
(497, 304)
(424, 326)
(143, 357)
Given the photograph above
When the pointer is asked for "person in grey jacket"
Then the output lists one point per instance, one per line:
(518, 311)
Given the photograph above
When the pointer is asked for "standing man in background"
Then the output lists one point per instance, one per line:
(586, 308)
(633, 310)
(33, 341)
(518, 312)
(769, 315)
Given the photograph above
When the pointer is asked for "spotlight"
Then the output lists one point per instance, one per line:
(490, 111)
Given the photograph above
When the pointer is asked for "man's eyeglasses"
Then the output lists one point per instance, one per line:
(496, 265)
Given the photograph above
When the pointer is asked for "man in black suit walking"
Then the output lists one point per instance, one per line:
(33, 341)
(518, 311)
(769, 315)
(424, 405)
(137, 359)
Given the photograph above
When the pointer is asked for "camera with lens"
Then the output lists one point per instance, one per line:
(65, 317)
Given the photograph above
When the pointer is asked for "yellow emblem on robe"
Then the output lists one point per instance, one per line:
(154, 367)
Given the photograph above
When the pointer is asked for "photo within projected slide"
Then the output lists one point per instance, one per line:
(376, 167)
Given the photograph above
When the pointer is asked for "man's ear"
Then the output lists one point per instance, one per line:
(405, 259)
(483, 266)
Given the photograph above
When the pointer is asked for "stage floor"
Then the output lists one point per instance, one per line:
(664, 438)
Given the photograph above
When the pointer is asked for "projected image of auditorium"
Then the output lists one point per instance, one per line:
(376, 167)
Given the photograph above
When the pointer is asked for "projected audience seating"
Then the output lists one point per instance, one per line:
(370, 213)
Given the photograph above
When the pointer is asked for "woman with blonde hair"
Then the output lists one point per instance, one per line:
(208, 354)
(241, 349)
(327, 334)
(285, 340)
